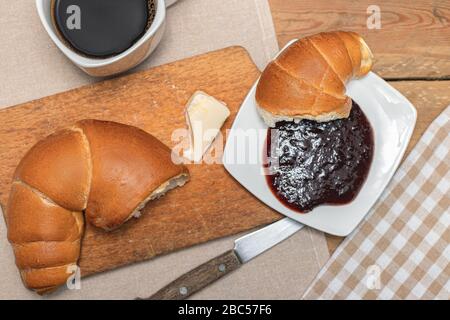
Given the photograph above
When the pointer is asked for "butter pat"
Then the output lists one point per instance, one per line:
(205, 116)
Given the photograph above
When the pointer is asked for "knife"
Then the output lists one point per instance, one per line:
(245, 249)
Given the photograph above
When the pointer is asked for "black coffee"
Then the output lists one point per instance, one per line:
(102, 28)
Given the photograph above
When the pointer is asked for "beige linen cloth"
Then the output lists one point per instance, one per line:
(402, 249)
(32, 67)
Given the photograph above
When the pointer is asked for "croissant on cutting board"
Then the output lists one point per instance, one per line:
(307, 80)
(106, 170)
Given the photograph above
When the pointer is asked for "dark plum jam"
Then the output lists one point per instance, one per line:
(311, 163)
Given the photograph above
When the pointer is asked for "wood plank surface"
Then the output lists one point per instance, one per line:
(413, 42)
(210, 206)
(429, 97)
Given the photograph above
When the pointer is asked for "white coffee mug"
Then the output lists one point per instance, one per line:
(101, 67)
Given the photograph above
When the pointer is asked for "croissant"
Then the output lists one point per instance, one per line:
(104, 170)
(307, 80)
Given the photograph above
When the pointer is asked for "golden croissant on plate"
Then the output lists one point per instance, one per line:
(307, 80)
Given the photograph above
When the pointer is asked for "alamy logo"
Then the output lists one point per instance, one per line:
(74, 20)
(374, 19)
(74, 280)
(373, 280)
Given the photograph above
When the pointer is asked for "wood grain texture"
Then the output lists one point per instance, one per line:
(429, 97)
(198, 278)
(210, 206)
(413, 41)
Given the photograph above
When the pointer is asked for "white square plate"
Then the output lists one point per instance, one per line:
(392, 118)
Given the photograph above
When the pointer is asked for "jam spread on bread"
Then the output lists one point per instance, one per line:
(314, 163)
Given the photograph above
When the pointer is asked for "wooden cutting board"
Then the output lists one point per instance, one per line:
(210, 206)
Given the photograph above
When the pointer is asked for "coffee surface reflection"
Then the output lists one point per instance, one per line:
(102, 28)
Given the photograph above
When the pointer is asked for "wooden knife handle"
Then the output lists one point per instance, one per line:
(198, 278)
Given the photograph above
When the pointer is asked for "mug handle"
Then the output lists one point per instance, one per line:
(170, 2)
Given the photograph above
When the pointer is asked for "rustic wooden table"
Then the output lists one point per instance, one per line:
(412, 47)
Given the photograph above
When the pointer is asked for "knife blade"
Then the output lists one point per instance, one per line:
(245, 249)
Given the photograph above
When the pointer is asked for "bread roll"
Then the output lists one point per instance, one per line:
(107, 170)
(307, 80)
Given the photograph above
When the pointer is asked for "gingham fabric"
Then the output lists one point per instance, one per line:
(401, 250)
